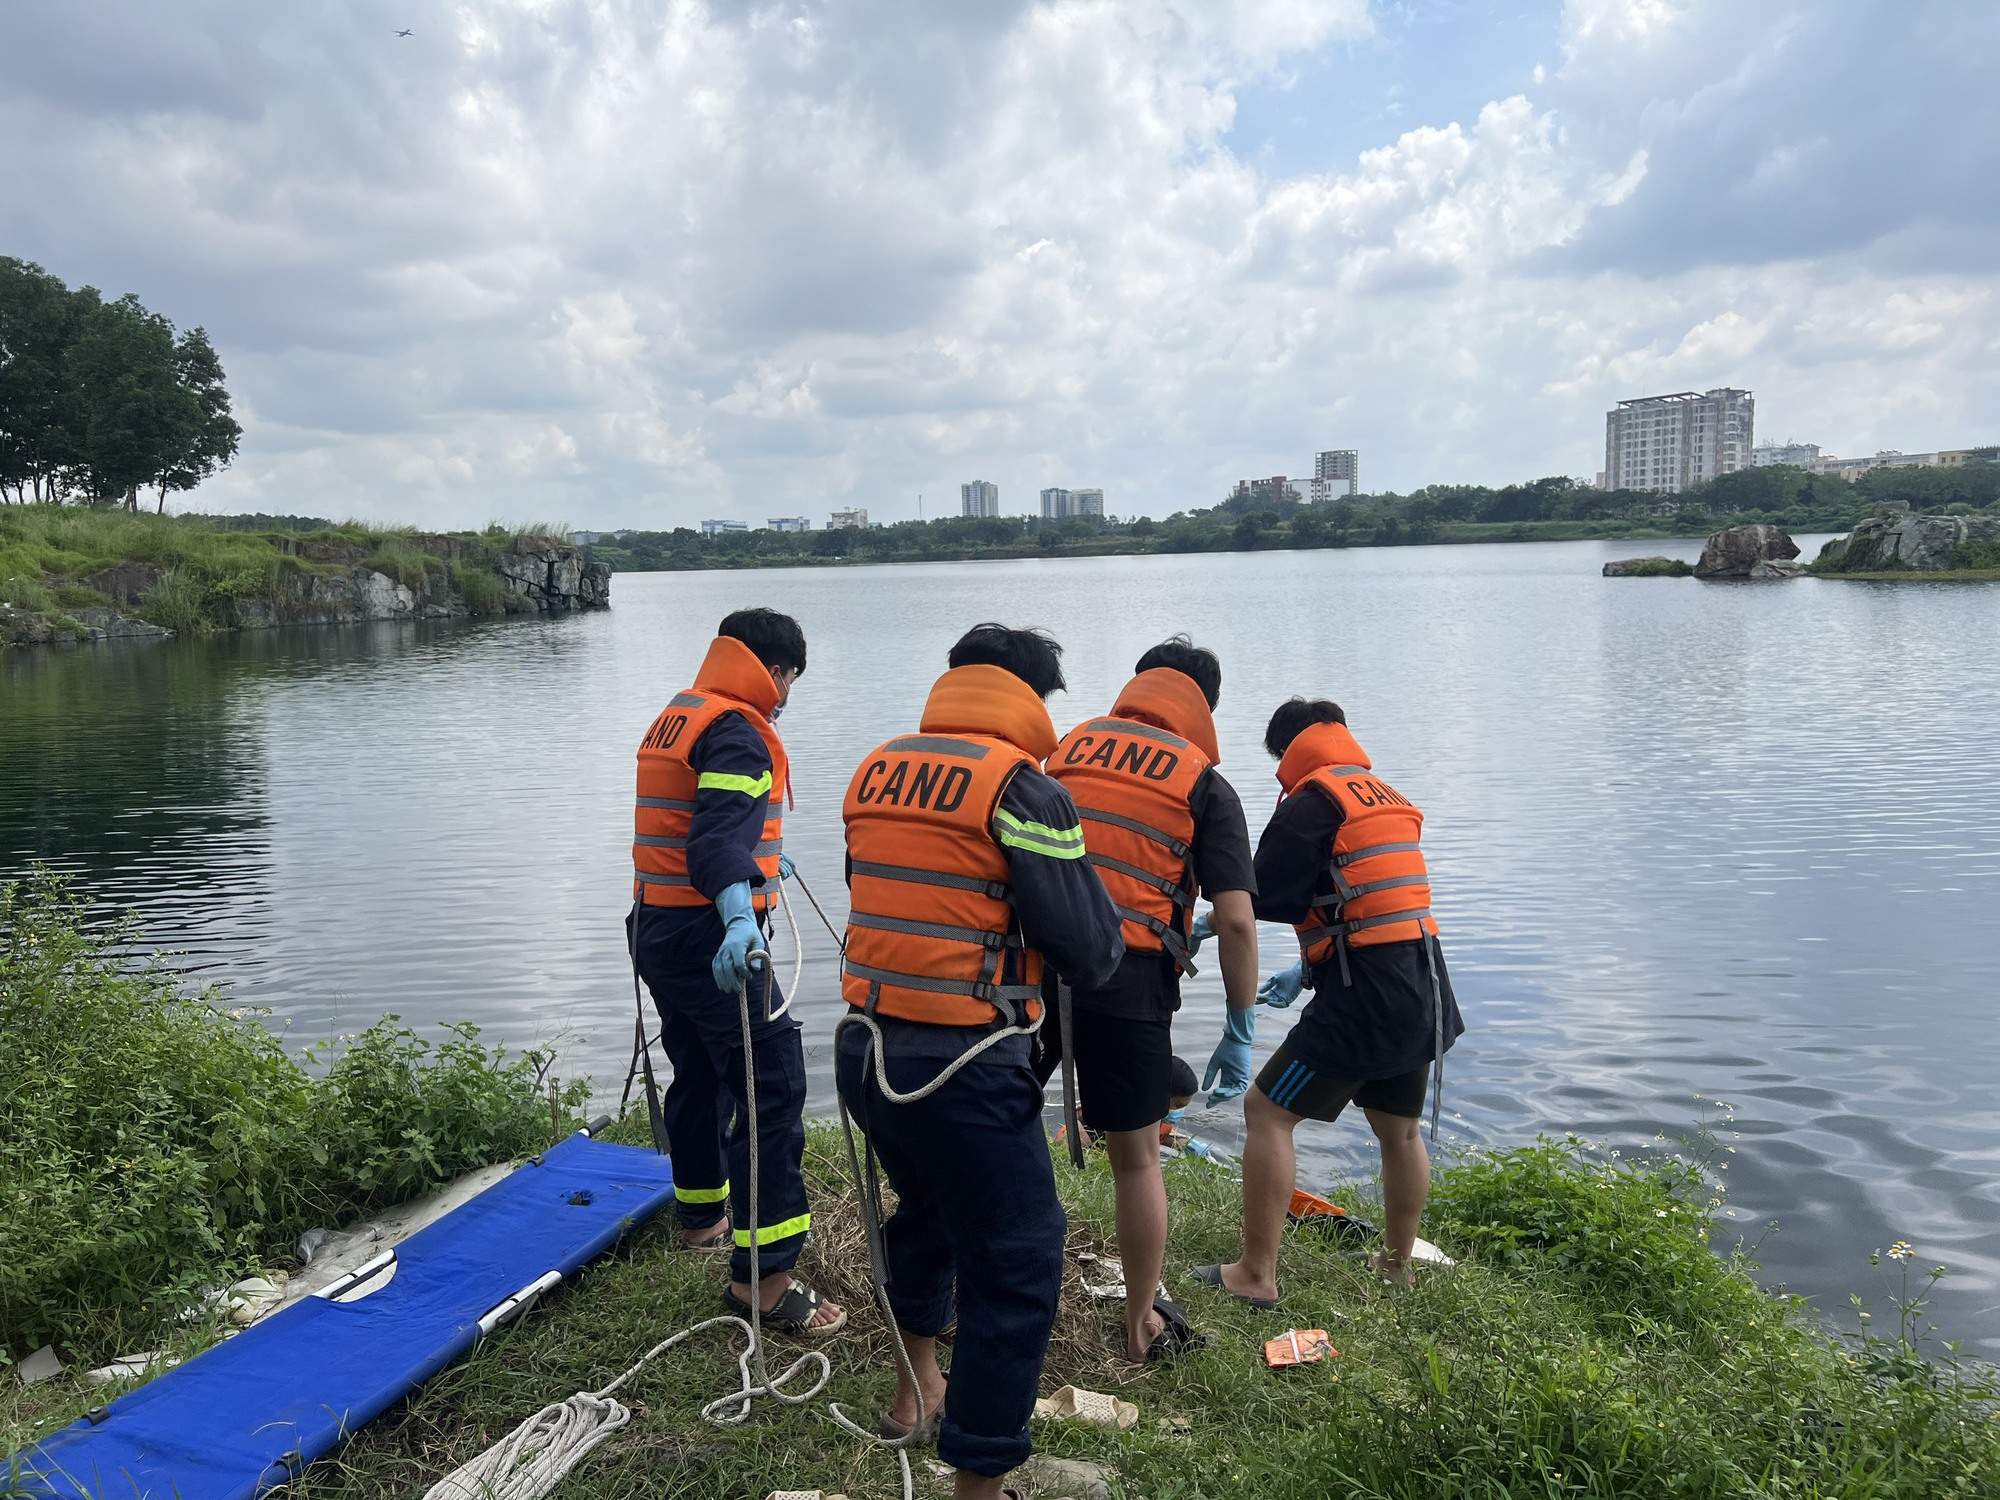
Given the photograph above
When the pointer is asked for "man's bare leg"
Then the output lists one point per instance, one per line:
(966, 1485)
(1406, 1183)
(923, 1358)
(1142, 1230)
(1270, 1171)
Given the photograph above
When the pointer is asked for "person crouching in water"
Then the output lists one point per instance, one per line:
(712, 782)
(967, 876)
(1340, 861)
(1160, 823)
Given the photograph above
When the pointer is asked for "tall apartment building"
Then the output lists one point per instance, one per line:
(979, 498)
(1335, 472)
(848, 520)
(1667, 443)
(1798, 455)
(1087, 503)
(1060, 505)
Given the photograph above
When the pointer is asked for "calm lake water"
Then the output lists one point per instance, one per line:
(1691, 843)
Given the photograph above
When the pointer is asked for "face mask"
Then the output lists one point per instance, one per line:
(777, 713)
(1174, 1115)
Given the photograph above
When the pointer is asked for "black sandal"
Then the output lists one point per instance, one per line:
(792, 1313)
(1177, 1337)
(1212, 1276)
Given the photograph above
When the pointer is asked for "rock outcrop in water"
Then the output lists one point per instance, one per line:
(1906, 543)
(1648, 567)
(1735, 553)
(539, 574)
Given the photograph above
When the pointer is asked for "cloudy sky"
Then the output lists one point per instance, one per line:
(638, 264)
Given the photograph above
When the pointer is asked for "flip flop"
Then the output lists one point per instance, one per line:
(1177, 1337)
(792, 1313)
(722, 1239)
(1212, 1276)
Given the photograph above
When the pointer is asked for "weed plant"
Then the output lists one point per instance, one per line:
(155, 1145)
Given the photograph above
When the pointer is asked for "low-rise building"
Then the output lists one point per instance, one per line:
(789, 523)
(1798, 455)
(1262, 494)
(848, 520)
(716, 528)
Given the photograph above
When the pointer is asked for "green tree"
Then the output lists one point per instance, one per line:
(205, 438)
(41, 427)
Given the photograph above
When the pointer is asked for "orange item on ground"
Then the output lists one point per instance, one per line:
(1299, 1346)
(1306, 1205)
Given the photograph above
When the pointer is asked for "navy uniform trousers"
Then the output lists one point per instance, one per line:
(977, 1222)
(701, 1030)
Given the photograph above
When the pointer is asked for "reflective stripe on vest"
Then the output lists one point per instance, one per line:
(1132, 783)
(932, 935)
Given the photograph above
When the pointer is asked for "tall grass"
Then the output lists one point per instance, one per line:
(154, 1144)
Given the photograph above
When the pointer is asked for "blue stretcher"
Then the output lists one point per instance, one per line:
(250, 1414)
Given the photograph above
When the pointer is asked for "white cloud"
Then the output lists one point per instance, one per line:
(630, 263)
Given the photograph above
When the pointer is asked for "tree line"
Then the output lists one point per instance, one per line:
(100, 399)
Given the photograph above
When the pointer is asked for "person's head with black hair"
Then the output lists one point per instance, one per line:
(1179, 654)
(1031, 655)
(774, 639)
(1294, 717)
(1180, 1084)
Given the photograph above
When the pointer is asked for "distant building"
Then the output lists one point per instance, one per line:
(1087, 503)
(789, 523)
(714, 528)
(1798, 455)
(848, 520)
(1262, 494)
(1666, 444)
(1957, 458)
(588, 538)
(979, 498)
(1852, 469)
(1337, 471)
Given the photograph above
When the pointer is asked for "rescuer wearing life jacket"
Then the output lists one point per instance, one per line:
(713, 779)
(967, 878)
(1341, 861)
(1160, 824)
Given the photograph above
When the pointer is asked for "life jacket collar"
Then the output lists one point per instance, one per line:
(989, 700)
(1318, 745)
(733, 670)
(1172, 701)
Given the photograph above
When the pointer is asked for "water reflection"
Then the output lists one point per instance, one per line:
(1691, 842)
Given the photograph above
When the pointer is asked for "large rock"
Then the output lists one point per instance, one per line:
(1733, 553)
(1906, 542)
(1768, 568)
(108, 625)
(125, 582)
(553, 575)
(340, 598)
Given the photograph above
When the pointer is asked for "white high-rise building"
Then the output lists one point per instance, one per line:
(979, 498)
(1060, 504)
(1087, 502)
(1666, 444)
(1337, 471)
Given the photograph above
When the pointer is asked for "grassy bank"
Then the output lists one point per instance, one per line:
(1592, 1341)
(155, 1144)
(195, 574)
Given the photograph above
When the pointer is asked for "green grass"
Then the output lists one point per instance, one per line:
(154, 1144)
(211, 568)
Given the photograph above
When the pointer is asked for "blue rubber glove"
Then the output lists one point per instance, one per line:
(785, 867)
(1230, 1062)
(1282, 988)
(1201, 932)
(732, 965)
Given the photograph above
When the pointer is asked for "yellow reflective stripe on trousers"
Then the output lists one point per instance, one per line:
(722, 781)
(783, 1230)
(700, 1195)
(1039, 838)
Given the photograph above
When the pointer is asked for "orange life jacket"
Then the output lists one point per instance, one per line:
(932, 934)
(731, 680)
(1131, 776)
(1382, 888)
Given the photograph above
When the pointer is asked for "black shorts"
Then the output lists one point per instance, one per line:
(1297, 1086)
(1124, 1067)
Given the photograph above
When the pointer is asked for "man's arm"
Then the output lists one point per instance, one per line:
(1228, 877)
(732, 791)
(1292, 855)
(1063, 907)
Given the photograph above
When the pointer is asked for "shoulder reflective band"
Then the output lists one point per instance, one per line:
(701, 1195)
(670, 804)
(1352, 855)
(784, 1229)
(1349, 771)
(978, 936)
(1133, 825)
(1159, 883)
(936, 744)
(722, 781)
(1039, 838)
(997, 889)
(1139, 731)
(686, 700)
